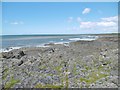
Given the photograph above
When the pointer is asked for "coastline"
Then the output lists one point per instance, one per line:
(60, 39)
(83, 64)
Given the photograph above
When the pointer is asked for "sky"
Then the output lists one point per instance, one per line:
(59, 17)
(61, 0)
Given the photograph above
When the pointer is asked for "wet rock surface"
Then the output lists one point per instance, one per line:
(81, 64)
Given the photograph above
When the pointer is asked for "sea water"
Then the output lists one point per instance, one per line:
(10, 42)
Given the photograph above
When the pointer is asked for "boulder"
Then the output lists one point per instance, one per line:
(12, 54)
(7, 55)
(20, 63)
(19, 54)
(50, 50)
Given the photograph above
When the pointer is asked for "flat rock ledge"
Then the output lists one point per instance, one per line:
(80, 65)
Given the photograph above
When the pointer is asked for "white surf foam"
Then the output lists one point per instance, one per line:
(42, 45)
(74, 39)
(61, 39)
(61, 42)
(9, 49)
(88, 39)
(91, 38)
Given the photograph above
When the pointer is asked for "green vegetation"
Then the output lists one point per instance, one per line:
(11, 83)
(6, 70)
(58, 68)
(4, 76)
(74, 69)
(67, 80)
(93, 77)
(95, 73)
(42, 67)
(87, 68)
(5, 73)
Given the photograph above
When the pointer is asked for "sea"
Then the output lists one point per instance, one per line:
(10, 42)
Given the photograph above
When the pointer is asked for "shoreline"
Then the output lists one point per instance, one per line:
(50, 43)
(96, 36)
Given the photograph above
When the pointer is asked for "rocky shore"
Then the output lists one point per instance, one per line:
(80, 64)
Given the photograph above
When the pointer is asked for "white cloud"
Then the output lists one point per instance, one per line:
(87, 24)
(70, 19)
(14, 23)
(17, 22)
(105, 22)
(115, 19)
(86, 10)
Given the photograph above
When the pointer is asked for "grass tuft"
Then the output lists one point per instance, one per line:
(11, 83)
(5, 73)
(93, 77)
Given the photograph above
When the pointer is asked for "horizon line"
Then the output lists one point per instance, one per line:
(60, 34)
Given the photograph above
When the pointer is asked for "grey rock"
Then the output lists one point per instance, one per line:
(20, 63)
(7, 55)
(56, 78)
(46, 80)
(19, 54)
